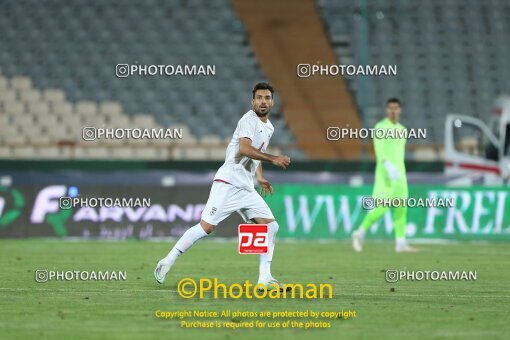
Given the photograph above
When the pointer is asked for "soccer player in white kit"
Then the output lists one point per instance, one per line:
(233, 188)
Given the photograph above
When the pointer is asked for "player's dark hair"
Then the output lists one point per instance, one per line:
(393, 100)
(262, 86)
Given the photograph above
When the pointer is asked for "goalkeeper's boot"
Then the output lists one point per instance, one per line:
(161, 270)
(271, 284)
(404, 248)
(357, 240)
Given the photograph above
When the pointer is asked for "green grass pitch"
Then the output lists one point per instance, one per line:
(125, 310)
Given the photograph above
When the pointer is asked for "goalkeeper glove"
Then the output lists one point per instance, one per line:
(391, 170)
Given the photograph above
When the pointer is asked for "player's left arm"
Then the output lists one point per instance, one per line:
(265, 186)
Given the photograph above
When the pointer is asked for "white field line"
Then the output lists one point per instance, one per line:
(159, 291)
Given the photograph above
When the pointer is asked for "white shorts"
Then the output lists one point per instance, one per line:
(225, 199)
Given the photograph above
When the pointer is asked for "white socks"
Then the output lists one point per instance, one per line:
(266, 259)
(401, 242)
(191, 236)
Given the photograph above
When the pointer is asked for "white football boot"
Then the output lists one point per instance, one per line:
(403, 247)
(271, 283)
(161, 271)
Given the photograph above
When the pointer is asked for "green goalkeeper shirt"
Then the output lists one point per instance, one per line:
(391, 150)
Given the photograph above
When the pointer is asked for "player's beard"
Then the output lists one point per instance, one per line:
(261, 114)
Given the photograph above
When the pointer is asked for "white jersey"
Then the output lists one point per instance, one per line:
(240, 170)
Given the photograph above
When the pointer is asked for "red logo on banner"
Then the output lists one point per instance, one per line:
(253, 238)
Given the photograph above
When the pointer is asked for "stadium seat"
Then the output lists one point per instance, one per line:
(439, 40)
(25, 152)
(21, 83)
(54, 95)
(61, 79)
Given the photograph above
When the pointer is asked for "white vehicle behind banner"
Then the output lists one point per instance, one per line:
(475, 149)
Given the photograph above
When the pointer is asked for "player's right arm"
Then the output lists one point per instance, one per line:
(246, 149)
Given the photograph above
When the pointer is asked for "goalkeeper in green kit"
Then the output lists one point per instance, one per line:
(390, 178)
